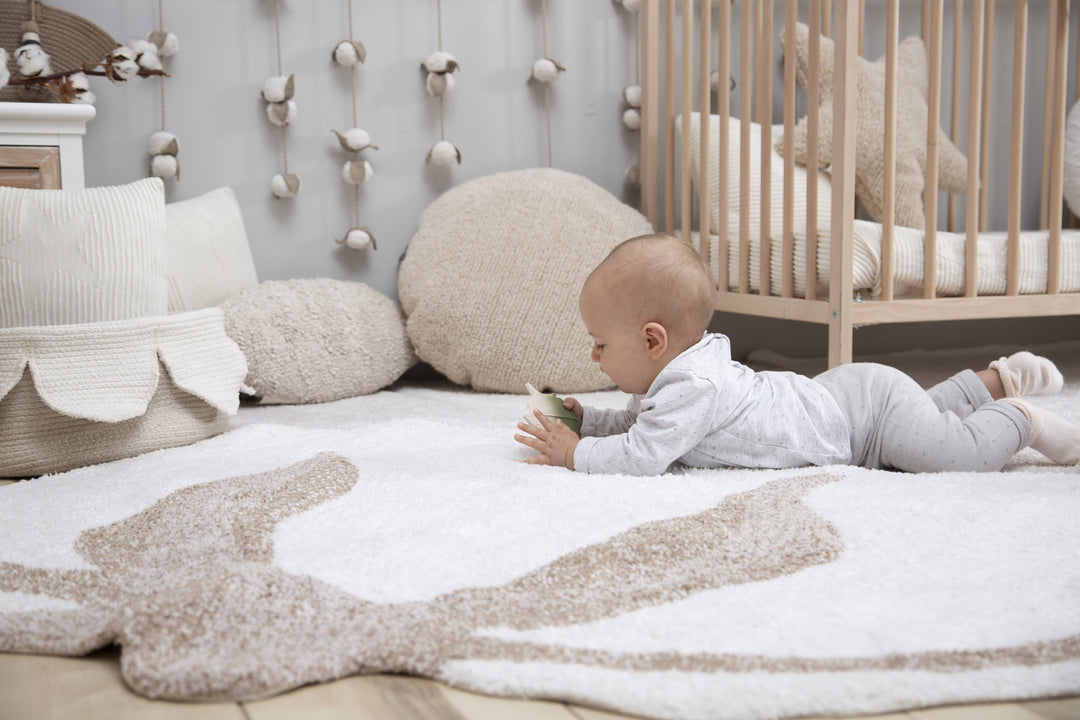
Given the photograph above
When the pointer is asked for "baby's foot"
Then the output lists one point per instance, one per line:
(1025, 373)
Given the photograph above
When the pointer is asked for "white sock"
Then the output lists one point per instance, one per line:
(1025, 373)
(1053, 436)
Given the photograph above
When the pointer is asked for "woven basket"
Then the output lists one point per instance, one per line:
(71, 41)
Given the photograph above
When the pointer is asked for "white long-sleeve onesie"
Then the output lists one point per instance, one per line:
(709, 411)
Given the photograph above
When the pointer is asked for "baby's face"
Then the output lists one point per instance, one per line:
(618, 345)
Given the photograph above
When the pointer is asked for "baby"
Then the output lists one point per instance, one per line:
(647, 307)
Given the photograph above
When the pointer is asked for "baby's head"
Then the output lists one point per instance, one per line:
(653, 292)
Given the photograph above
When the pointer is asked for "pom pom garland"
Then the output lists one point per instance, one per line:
(349, 53)
(632, 96)
(355, 140)
(278, 89)
(281, 114)
(357, 172)
(285, 185)
(358, 238)
(443, 153)
(547, 70)
(440, 61)
(439, 84)
(164, 166)
(167, 44)
(164, 143)
(631, 118)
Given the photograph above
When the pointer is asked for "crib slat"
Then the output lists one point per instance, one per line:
(687, 76)
(705, 104)
(985, 112)
(971, 246)
(813, 103)
(954, 134)
(764, 85)
(724, 111)
(1016, 148)
(1060, 24)
(746, 65)
(669, 116)
(843, 183)
(1048, 115)
(791, 11)
(932, 131)
(650, 150)
(888, 199)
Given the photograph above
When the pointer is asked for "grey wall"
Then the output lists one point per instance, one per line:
(495, 117)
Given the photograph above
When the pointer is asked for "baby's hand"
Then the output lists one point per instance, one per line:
(575, 407)
(554, 441)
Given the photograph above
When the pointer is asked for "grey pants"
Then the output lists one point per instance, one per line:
(896, 424)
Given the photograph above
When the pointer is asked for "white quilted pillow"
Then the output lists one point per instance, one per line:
(490, 280)
(77, 256)
(209, 258)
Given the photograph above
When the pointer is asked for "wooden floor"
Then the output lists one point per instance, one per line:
(38, 687)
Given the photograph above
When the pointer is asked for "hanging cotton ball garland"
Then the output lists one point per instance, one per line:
(164, 148)
(633, 175)
(167, 43)
(632, 115)
(547, 70)
(281, 111)
(439, 82)
(356, 170)
(443, 153)
(358, 238)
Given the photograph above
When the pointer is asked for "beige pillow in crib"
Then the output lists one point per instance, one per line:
(490, 280)
(80, 256)
(208, 255)
(314, 340)
(733, 166)
(911, 125)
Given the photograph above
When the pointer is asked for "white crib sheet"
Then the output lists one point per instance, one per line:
(908, 261)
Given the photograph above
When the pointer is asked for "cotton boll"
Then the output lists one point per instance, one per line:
(632, 119)
(164, 166)
(354, 140)
(632, 95)
(285, 185)
(5, 74)
(32, 60)
(278, 89)
(282, 113)
(545, 70)
(356, 172)
(80, 87)
(169, 46)
(439, 84)
(349, 52)
(440, 61)
(120, 65)
(164, 143)
(444, 153)
(146, 54)
(358, 239)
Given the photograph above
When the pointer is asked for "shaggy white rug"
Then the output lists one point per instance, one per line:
(401, 532)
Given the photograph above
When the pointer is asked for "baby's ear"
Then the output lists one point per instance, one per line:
(656, 339)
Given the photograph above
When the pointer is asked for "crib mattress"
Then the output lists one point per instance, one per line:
(908, 262)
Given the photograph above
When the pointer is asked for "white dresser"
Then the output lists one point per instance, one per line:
(41, 144)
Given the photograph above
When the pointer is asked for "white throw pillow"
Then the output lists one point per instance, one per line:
(208, 256)
(76, 256)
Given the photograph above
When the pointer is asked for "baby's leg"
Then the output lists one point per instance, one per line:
(1053, 436)
(1021, 373)
(897, 424)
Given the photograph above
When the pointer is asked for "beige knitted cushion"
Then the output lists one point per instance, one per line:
(79, 256)
(316, 339)
(208, 255)
(74, 395)
(490, 280)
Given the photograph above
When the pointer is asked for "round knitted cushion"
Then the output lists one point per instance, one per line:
(490, 281)
(315, 339)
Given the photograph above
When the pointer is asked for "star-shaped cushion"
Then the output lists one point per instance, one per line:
(911, 124)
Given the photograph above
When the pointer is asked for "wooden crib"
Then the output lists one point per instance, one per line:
(738, 40)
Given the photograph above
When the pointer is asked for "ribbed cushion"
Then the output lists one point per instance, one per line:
(209, 259)
(490, 280)
(81, 256)
(35, 439)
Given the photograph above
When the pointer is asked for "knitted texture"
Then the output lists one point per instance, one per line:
(82, 256)
(1024, 373)
(73, 395)
(490, 280)
(911, 121)
(316, 339)
(208, 256)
